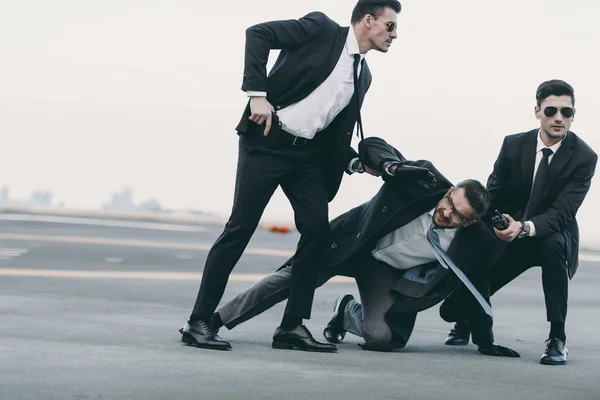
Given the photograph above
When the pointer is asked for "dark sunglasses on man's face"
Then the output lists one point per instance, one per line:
(391, 25)
(566, 112)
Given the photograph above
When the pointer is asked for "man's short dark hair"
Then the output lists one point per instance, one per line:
(477, 195)
(375, 7)
(554, 87)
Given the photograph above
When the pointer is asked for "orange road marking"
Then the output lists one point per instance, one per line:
(144, 275)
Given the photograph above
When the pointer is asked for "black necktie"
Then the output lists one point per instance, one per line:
(539, 183)
(446, 262)
(359, 129)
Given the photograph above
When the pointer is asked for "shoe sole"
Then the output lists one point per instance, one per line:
(552, 362)
(287, 346)
(190, 341)
(339, 301)
(457, 344)
(336, 314)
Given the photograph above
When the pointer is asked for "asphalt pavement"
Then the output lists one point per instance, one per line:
(91, 311)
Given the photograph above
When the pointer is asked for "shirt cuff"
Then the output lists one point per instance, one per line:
(350, 170)
(251, 93)
(387, 165)
(531, 227)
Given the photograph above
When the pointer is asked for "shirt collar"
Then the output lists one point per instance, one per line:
(541, 145)
(352, 43)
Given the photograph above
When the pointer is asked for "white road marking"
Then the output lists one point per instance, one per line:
(114, 260)
(134, 243)
(9, 254)
(102, 222)
(589, 257)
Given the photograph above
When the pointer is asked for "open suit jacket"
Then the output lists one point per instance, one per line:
(310, 49)
(569, 179)
(395, 205)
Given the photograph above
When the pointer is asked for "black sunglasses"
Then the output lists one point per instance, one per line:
(566, 112)
(391, 25)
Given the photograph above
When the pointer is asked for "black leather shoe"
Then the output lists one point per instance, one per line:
(299, 338)
(334, 332)
(556, 352)
(201, 335)
(211, 324)
(459, 335)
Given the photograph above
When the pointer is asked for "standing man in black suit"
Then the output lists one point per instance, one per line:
(295, 132)
(539, 181)
(385, 245)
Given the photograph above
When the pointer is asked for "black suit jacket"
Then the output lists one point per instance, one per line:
(569, 177)
(310, 48)
(392, 207)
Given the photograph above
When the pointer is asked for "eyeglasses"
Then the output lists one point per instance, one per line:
(566, 112)
(391, 25)
(456, 217)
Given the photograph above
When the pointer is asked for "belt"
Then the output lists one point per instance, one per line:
(293, 140)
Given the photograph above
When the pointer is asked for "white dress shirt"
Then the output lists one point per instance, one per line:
(408, 247)
(315, 112)
(538, 159)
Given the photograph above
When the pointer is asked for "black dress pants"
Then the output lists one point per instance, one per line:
(550, 253)
(264, 163)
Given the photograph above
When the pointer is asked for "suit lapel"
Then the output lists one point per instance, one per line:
(338, 47)
(528, 159)
(560, 159)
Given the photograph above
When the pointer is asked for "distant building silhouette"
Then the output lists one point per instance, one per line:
(41, 198)
(4, 195)
(150, 205)
(123, 201)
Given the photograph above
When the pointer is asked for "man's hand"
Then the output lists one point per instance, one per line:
(498, 351)
(510, 233)
(411, 175)
(261, 111)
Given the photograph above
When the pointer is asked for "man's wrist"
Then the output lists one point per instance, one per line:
(524, 230)
(357, 166)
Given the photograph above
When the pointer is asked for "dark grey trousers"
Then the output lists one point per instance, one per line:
(373, 278)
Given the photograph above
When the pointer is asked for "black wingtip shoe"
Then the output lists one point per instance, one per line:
(334, 332)
(200, 334)
(299, 338)
(556, 352)
(459, 335)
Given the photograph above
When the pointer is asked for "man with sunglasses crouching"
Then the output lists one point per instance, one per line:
(402, 247)
(539, 181)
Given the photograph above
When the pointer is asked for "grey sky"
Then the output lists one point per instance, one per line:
(97, 95)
